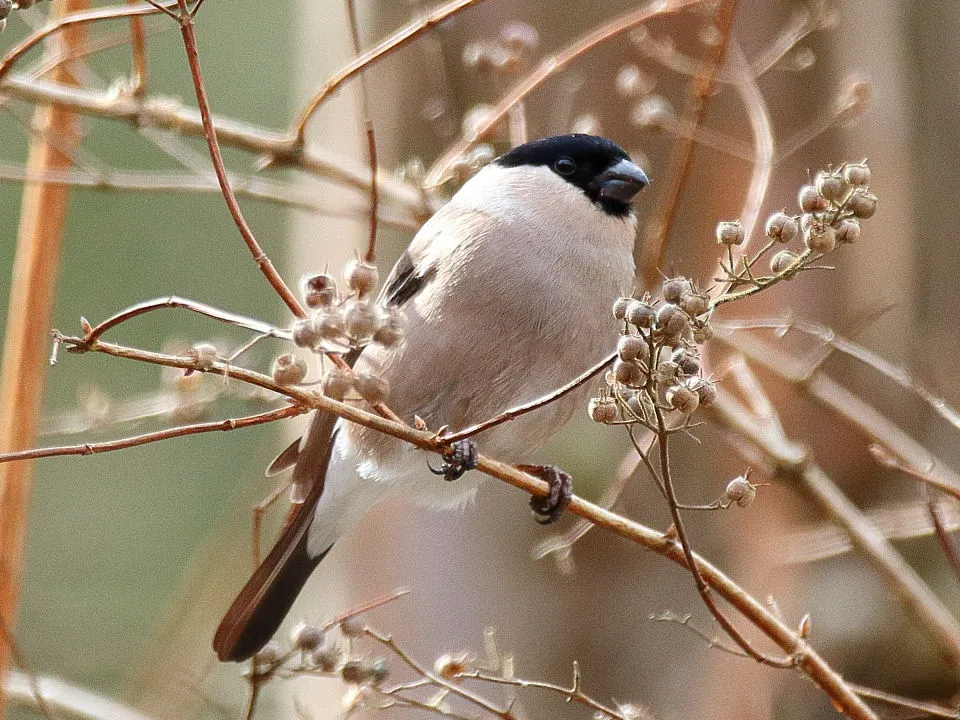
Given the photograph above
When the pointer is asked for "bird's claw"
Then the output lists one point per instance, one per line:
(549, 508)
(461, 456)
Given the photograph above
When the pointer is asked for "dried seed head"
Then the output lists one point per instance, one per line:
(782, 228)
(730, 232)
(205, 355)
(371, 388)
(337, 383)
(353, 626)
(687, 362)
(379, 671)
(267, 656)
(674, 288)
(327, 324)
(327, 657)
(449, 666)
(288, 369)
(694, 303)
(633, 82)
(810, 201)
(303, 333)
(654, 112)
(857, 174)
(633, 347)
(360, 277)
(640, 314)
(862, 203)
(359, 321)
(620, 306)
(671, 320)
(666, 371)
(319, 291)
(848, 231)
(707, 392)
(682, 398)
(781, 261)
(641, 405)
(306, 637)
(740, 491)
(520, 37)
(703, 333)
(831, 187)
(628, 373)
(355, 671)
(602, 410)
(821, 238)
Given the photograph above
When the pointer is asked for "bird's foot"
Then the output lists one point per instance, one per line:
(548, 509)
(461, 456)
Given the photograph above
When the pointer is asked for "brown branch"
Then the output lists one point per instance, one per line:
(156, 436)
(440, 171)
(807, 659)
(396, 41)
(32, 286)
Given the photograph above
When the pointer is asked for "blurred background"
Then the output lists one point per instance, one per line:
(133, 556)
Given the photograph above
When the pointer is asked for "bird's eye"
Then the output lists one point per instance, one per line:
(565, 166)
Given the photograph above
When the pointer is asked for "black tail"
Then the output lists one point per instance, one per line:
(266, 599)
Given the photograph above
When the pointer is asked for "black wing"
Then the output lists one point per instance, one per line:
(404, 281)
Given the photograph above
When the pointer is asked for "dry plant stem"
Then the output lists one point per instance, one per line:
(138, 46)
(440, 171)
(681, 160)
(806, 658)
(35, 267)
(925, 708)
(21, 661)
(371, 57)
(156, 436)
(69, 700)
(515, 412)
(792, 463)
(259, 256)
(168, 114)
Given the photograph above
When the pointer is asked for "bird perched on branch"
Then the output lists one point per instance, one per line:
(505, 294)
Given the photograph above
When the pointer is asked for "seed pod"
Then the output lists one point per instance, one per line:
(862, 203)
(359, 321)
(371, 388)
(703, 333)
(620, 306)
(782, 228)
(633, 348)
(821, 238)
(353, 626)
(337, 383)
(449, 666)
(640, 314)
(740, 491)
(654, 112)
(327, 324)
(730, 232)
(303, 333)
(379, 671)
(674, 288)
(355, 671)
(830, 186)
(288, 369)
(602, 410)
(306, 637)
(319, 291)
(268, 655)
(707, 392)
(666, 371)
(682, 398)
(810, 201)
(205, 355)
(694, 304)
(326, 657)
(671, 320)
(628, 373)
(360, 277)
(848, 231)
(781, 261)
(857, 174)
(641, 405)
(520, 37)
(687, 362)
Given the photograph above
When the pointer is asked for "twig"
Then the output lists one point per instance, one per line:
(156, 436)
(78, 701)
(367, 607)
(681, 159)
(903, 702)
(396, 41)
(17, 654)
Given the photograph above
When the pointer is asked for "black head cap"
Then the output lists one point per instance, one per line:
(599, 167)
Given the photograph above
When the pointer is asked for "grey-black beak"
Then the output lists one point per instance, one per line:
(622, 181)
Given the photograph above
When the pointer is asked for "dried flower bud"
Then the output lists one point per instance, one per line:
(694, 303)
(857, 174)
(353, 626)
(781, 261)
(687, 362)
(740, 491)
(372, 388)
(782, 228)
(862, 203)
(267, 656)
(306, 637)
(288, 369)
(821, 238)
(602, 410)
(355, 671)
(450, 666)
(830, 186)
(620, 306)
(630, 374)
(810, 201)
(337, 383)
(848, 231)
(672, 320)
(205, 355)
(730, 232)
(682, 398)
(674, 288)
(319, 291)
(803, 630)
(633, 347)
(703, 333)
(327, 657)
(359, 321)
(641, 314)
(707, 392)
(360, 277)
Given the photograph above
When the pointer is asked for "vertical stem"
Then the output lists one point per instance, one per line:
(27, 339)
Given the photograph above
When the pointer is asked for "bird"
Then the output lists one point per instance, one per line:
(505, 294)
